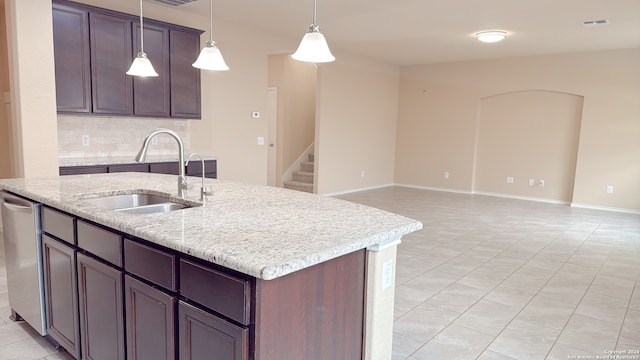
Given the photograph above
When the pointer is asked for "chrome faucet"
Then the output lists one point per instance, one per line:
(183, 186)
(204, 192)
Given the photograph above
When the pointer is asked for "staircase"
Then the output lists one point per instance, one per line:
(303, 178)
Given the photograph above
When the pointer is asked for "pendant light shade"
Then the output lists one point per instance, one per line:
(313, 47)
(210, 57)
(141, 65)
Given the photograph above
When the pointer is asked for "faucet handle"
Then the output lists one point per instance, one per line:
(205, 191)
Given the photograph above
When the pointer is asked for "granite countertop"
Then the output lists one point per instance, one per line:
(112, 160)
(262, 231)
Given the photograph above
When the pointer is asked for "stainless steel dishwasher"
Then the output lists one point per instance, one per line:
(23, 253)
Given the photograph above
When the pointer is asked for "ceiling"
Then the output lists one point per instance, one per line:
(411, 32)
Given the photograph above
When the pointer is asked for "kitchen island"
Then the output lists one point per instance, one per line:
(312, 272)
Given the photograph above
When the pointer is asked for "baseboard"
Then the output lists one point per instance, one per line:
(605, 208)
(431, 188)
(527, 198)
(356, 190)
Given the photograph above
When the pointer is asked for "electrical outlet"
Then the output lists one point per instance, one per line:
(509, 179)
(85, 140)
(446, 174)
(260, 140)
(255, 115)
(541, 183)
(532, 182)
(609, 189)
(154, 140)
(362, 174)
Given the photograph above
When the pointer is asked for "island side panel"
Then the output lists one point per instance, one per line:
(315, 313)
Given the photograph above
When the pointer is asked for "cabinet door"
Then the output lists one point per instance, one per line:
(150, 322)
(101, 314)
(110, 59)
(61, 294)
(202, 334)
(72, 64)
(185, 79)
(151, 94)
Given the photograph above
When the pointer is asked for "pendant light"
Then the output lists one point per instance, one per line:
(210, 57)
(141, 65)
(313, 47)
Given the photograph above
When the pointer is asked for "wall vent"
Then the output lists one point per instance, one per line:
(174, 2)
(593, 22)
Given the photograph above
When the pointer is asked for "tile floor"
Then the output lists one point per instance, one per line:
(494, 279)
(487, 278)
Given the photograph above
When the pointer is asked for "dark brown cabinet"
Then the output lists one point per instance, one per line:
(194, 168)
(185, 79)
(144, 168)
(61, 292)
(115, 296)
(151, 94)
(101, 310)
(111, 56)
(150, 322)
(202, 334)
(93, 49)
(72, 62)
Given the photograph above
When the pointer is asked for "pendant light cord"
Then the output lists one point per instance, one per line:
(315, 6)
(211, 20)
(141, 30)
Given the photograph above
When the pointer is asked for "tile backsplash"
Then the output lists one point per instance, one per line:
(115, 136)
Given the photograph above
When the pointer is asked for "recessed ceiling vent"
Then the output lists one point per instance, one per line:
(589, 23)
(175, 2)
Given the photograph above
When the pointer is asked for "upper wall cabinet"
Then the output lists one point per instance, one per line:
(71, 51)
(152, 94)
(94, 48)
(110, 53)
(185, 96)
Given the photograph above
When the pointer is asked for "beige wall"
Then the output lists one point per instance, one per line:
(296, 82)
(439, 112)
(5, 129)
(32, 79)
(532, 138)
(355, 124)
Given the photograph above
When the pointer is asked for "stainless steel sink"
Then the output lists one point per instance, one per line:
(138, 203)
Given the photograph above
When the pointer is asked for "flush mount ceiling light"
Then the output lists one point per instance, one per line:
(491, 36)
(313, 47)
(210, 57)
(141, 65)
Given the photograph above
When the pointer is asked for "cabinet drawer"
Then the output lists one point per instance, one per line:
(129, 167)
(100, 242)
(150, 263)
(218, 291)
(164, 168)
(195, 168)
(58, 224)
(78, 170)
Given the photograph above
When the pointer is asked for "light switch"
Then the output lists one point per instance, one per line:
(260, 140)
